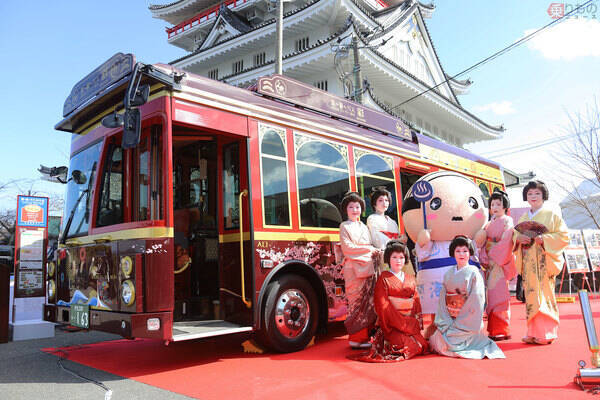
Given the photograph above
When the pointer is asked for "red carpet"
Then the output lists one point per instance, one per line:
(218, 368)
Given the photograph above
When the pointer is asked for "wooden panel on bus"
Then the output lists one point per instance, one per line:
(209, 118)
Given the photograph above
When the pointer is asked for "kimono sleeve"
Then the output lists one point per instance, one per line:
(554, 243)
(471, 314)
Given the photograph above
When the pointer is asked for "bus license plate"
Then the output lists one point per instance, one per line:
(80, 315)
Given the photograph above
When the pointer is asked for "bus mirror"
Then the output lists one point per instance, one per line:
(132, 128)
(113, 120)
(78, 177)
(141, 96)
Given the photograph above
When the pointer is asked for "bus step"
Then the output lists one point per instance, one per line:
(186, 330)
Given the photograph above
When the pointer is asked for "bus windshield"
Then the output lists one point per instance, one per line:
(85, 162)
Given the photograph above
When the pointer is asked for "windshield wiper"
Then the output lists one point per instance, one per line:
(63, 239)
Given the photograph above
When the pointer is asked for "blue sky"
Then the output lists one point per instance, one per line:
(48, 48)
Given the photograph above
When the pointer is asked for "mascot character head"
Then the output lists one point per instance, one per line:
(456, 208)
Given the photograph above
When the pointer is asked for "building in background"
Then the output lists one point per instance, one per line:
(581, 207)
(234, 41)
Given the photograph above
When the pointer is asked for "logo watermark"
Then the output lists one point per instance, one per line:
(559, 10)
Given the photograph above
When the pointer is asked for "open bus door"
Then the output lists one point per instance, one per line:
(210, 182)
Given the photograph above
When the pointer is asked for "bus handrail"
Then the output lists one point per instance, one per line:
(248, 303)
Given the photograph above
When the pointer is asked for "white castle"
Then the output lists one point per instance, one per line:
(234, 41)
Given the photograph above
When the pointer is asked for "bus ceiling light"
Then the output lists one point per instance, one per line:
(126, 266)
(51, 290)
(153, 324)
(128, 292)
(51, 268)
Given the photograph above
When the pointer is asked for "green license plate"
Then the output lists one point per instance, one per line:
(80, 315)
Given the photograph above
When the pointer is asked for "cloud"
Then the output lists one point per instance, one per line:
(501, 108)
(575, 37)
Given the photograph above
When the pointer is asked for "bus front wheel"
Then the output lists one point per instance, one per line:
(290, 314)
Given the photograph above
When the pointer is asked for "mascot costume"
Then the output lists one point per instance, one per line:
(454, 205)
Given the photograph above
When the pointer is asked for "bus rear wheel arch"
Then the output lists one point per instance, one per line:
(290, 316)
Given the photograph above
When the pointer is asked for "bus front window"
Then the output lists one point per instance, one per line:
(85, 161)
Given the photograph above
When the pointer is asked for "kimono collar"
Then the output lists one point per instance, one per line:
(531, 215)
(399, 275)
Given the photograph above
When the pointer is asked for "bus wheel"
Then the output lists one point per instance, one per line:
(290, 315)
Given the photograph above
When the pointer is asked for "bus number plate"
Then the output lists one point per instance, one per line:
(80, 315)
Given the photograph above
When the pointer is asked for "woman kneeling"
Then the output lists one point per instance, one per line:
(459, 316)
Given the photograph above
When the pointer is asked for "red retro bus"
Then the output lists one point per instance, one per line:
(197, 209)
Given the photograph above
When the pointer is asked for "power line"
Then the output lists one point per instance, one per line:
(535, 146)
(498, 53)
(516, 147)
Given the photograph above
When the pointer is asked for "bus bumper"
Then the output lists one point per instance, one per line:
(127, 325)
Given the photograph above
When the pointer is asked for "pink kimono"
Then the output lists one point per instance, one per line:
(497, 258)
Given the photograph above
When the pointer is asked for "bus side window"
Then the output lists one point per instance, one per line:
(276, 201)
(323, 179)
(231, 185)
(484, 190)
(110, 206)
(375, 171)
(142, 180)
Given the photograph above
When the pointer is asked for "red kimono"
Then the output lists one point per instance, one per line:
(398, 310)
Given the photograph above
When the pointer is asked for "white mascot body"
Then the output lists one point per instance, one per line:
(457, 207)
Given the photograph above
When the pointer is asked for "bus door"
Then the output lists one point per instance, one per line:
(209, 173)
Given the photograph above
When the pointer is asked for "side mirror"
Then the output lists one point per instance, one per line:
(141, 96)
(132, 128)
(113, 120)
(78, 177)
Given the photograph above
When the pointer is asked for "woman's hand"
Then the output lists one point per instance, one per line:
(523, 239)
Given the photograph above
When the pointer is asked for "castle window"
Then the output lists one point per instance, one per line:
(237, 66)
(213, 73)
(302, 44)
(259, 59)
(321, 85)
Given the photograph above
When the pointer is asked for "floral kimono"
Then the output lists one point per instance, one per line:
(499, 262)
(359, 278)
(539, 266)
(459, 317)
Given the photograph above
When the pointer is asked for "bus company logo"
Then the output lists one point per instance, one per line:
(559, 10)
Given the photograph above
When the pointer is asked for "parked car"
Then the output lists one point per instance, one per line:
(7, 255)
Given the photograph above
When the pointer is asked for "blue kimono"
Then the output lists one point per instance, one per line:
(462, 335)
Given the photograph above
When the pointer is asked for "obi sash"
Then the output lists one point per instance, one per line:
(442, 262)
(403, 305)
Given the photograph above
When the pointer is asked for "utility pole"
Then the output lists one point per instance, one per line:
(357, 79)
(279, 39)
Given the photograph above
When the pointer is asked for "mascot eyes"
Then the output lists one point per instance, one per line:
(435, 203)
(473, 203)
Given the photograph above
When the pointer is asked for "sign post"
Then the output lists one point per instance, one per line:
(31, 242)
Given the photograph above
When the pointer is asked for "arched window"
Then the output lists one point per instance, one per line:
(372, 171)
(276, 202)
(485, 190)
(322, 182)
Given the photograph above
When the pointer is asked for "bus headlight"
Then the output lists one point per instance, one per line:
(51, 290)
(51, 268)
(126, 266)
(128, 292)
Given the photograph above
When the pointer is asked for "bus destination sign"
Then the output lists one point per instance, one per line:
(113, 70)
(287, 89)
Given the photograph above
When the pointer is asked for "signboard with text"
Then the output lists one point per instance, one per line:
(30, 246)
(575, 254)
(592, 244)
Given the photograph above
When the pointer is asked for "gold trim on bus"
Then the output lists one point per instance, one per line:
(298, 236)
(137, 233)
(233, 237)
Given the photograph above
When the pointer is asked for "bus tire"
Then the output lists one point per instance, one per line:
(290, 315)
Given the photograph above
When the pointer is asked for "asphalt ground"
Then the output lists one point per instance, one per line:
(27, 373)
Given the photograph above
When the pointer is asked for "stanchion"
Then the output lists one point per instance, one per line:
(560, 298)
(4, 302)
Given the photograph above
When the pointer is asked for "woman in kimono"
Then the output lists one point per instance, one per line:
(382, 227)
(539, 261)
(497, 258)
(359, 272)
(459, 317)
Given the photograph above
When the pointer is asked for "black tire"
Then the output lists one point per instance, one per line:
(291, 296)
